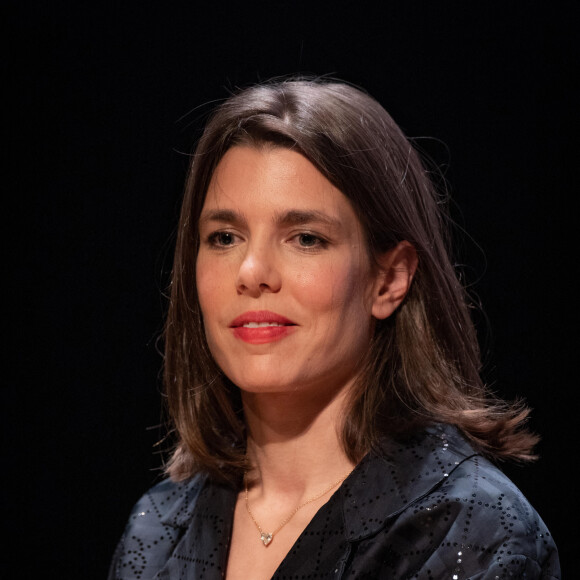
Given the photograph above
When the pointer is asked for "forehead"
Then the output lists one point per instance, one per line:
(271, 178)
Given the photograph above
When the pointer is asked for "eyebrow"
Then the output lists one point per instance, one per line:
(298, 217)
(287, 218)
(222, 215)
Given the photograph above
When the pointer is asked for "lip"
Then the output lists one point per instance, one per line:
(280, 328)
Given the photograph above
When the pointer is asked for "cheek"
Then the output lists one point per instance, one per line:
(203, 284)
(334, 288)
(211, 309)
(208, 287)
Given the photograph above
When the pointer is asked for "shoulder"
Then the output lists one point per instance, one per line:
(480, 517)
(462, 511)
(154, 527)
(490, 503)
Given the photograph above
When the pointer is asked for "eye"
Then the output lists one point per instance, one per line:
(222, 239)
(308, 240)
(311, 241)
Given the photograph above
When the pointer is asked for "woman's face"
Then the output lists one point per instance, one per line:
(284, 279)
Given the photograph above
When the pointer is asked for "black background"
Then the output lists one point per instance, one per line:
(105, 102)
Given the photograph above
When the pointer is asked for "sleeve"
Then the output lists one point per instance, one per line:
(149, 537)
(517, 567)
(475, 526)
(479, 527)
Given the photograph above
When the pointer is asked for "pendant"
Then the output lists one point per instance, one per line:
(266, 538)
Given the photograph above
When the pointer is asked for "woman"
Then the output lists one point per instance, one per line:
(321, 368)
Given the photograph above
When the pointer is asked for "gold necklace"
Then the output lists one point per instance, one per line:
(267, 537)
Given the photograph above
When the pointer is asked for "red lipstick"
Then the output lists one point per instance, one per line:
(261, 327)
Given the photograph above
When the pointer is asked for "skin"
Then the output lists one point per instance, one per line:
(277, 237)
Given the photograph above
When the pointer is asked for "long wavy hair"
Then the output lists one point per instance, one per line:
(423, 365)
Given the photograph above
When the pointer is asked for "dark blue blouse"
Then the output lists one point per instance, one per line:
(428, 508)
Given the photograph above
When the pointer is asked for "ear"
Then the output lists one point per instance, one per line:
(396, 269)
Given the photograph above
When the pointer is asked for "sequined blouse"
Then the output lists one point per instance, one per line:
(428, 508)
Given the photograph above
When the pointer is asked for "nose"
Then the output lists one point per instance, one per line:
(258, 272)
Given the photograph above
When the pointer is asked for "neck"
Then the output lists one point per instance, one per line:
(293, 442)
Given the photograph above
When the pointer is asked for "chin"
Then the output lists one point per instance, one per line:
(263, 385)
(257, 374)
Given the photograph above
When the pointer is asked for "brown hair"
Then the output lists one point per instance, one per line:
(423, 365)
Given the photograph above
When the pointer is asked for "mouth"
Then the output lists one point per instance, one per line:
(261, 324)
(260, 319)
(261, 327)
